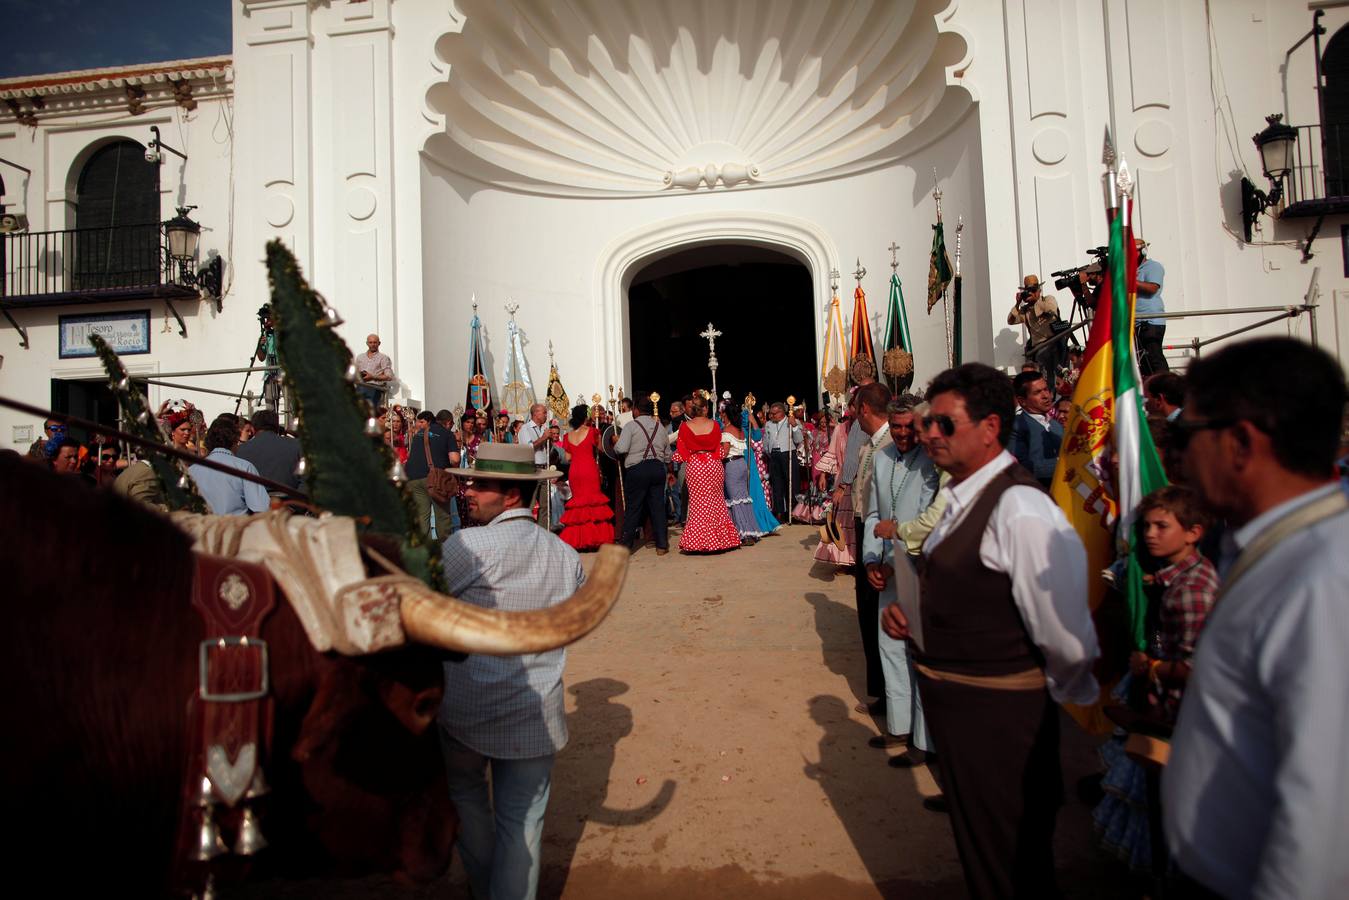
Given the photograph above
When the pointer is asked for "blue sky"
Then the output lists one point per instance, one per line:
(59, 35)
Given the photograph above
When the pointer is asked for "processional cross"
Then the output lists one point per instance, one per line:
(711, 334)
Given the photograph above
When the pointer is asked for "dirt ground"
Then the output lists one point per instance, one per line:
(715, 752)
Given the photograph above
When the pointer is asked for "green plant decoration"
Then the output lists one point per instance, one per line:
(348, 468)
(180, 493)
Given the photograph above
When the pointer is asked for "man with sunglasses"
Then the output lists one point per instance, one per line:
(504, 713)
(1255, 793)
(1005, 636)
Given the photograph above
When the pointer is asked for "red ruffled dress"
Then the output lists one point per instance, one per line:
(709, 527)
(588, 520)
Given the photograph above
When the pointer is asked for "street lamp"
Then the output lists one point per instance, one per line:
(182, 235)
(1276, 144)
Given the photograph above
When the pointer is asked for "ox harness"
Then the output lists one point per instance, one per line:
(229, 718)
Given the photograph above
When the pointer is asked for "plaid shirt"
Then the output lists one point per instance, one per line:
(509, 707)
(1189, 589)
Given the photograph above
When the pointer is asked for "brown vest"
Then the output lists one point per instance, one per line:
(971, 624)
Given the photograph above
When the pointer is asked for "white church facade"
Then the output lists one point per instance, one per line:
(581, 161)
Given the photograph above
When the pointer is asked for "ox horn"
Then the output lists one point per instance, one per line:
(452, 624)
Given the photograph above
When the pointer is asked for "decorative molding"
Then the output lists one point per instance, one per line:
(598, 101)
(114, 90)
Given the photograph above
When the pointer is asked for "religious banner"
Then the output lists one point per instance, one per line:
(938, 267)
(557, 397)
(897, 346)
(832, 374)
(862, 356)
(517, 394)
(479, 398)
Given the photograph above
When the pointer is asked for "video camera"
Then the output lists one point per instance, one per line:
(265, 318)
(1071, 279)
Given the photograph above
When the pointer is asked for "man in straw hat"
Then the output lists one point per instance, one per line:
(504, 712)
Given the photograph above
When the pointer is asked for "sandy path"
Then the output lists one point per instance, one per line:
(715, 752)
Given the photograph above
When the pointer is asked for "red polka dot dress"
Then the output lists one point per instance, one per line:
(709, 527)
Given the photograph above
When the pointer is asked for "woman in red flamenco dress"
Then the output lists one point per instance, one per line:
(588, 520)
(709, 528)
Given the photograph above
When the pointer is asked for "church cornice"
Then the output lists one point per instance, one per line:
(29, 100)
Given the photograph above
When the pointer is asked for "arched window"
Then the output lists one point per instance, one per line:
(117, 219)
(1335, 71)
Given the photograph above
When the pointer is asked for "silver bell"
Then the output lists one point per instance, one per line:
(396, 473)
(208, 891)
(372, 428)
(330, 318)
(183, 482)
(144, 417)
(301, 468)
(351, 373)
(205, 794)
(209, 843)
(250, 838)
(124, 384)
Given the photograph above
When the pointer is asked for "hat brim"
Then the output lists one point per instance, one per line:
(537, 475)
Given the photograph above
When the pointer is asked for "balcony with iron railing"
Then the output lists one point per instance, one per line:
(88, 265)
(1318, 183)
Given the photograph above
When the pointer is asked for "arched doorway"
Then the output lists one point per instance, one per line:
(762, 302)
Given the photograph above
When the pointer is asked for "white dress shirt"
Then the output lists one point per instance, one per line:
(1256, 794)
(531, 432)
(1029, 539)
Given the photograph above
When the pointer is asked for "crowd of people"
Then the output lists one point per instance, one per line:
(970, 586)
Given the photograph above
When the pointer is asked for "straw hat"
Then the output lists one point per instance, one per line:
(830, 534)
(506, 462)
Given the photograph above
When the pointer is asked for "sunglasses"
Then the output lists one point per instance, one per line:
(1180, 431)
(945, 424)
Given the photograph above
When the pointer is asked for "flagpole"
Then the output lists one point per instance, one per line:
(956, 340)
(946, 305)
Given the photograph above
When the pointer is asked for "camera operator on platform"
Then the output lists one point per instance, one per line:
(1038, 313)
(266, 354)
(1149, 332)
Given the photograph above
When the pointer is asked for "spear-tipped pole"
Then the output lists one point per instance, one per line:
(1110, 180)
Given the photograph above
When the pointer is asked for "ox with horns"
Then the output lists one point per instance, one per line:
(105, 659)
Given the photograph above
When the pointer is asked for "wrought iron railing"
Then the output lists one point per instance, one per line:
(42, 265)
(1320, 172)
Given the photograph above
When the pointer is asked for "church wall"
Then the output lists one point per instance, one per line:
(1183, 89)
(548, 254)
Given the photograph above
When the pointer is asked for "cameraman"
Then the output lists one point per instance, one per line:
(1038, 313)
(266, 354)
(1149, 332)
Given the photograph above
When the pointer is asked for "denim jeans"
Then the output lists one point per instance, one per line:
(501, 830)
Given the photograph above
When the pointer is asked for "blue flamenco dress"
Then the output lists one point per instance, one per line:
(768, 523)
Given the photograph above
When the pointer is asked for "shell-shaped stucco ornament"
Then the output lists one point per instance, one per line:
(606, 96)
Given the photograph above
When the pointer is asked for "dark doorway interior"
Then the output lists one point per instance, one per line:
(92, 400)
(760, 300)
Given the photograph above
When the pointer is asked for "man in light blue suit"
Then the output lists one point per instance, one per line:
(1036, 436)
(904, 482)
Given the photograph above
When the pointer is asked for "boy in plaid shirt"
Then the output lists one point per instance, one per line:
(1173, 525)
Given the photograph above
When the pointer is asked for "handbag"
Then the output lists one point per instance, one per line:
(439, 482)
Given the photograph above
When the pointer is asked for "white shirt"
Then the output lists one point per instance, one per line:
(1256, 795)
(1029, 539)
(1037, 418)
(861, 494)
(531, 432)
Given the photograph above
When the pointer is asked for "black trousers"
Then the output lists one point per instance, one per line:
(868, 620)
(1151, 360)
(644, 488)
(779, 465)
(1001, 775)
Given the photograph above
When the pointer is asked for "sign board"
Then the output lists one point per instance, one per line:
(127, 333)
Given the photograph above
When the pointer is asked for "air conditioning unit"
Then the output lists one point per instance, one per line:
(10, 223)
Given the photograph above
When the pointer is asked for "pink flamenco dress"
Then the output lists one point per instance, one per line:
(709, 528)
(588, 520)
(831, 463)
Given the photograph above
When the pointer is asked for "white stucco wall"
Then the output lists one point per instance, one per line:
(549, 255)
